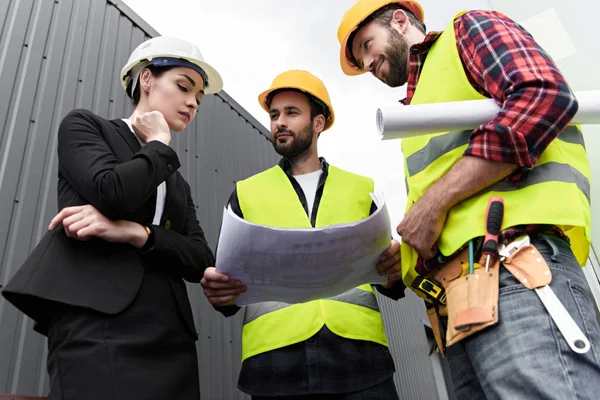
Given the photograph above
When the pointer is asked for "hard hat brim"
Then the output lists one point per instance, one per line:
(347, 66)
(215, 81)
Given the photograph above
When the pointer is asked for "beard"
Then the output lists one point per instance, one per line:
(396, 53)
(300, 142)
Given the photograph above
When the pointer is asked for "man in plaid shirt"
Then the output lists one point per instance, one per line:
(523, 355)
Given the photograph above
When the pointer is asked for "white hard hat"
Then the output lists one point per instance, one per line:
(169, 51)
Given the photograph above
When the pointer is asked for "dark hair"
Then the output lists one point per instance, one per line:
(383, 16)
(317, 107)
(155, 71)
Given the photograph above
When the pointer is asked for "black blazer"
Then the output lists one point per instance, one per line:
(101, 163)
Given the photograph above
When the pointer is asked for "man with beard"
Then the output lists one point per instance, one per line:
(335, 347)
(451, 176)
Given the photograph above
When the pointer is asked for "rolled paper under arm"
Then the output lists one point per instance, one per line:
(424, 119)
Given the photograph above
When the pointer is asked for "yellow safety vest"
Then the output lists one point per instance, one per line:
(556, 191)
(269, 198)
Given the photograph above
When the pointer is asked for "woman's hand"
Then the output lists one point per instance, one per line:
(151, 126)
(85, 222)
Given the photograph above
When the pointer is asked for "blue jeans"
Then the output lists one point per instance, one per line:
(524, 356)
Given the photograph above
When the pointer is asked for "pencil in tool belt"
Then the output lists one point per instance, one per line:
(471, 256)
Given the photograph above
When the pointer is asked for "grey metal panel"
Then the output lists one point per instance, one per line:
(123, 49)
(4, 6)
(9, 72)
(107, 66)
(12, 41)
(29, 144)
(74, 53)
(135, 19)
(22, 135)
(74, 23)
(245, 114)
(50, 108)
(408, 344)
(91, 55)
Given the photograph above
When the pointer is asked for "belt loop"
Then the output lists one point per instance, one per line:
(552, 245)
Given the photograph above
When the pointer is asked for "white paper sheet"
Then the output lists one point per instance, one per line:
(298, 265)
(424, 119)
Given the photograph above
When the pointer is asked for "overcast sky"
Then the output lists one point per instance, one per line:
(251, 41)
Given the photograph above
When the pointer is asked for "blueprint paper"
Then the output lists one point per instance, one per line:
(299, 265)
(401, 122)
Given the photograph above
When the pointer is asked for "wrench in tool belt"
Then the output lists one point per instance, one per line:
(575, 338)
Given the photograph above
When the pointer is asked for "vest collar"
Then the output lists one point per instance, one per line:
(286, 166)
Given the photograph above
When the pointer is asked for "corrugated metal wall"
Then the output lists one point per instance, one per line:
(405, 328)
(65, 54)
(60, 55)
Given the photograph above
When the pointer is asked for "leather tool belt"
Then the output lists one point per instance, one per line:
(472, 299)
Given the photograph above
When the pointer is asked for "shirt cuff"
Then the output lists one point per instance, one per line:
(394, 292)
(500, 143)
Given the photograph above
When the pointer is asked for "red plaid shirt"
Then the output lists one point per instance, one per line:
(502, 61)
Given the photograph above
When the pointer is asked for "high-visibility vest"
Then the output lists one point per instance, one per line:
(555, 192)
(269, 198)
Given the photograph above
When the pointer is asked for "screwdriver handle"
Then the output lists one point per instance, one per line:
(493, 221)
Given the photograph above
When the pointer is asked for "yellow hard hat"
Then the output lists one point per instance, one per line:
(305, 82)
(357, 14)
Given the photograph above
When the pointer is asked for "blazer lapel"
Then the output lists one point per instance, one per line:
(127, 135)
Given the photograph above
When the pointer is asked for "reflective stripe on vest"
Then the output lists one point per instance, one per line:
(555, 192)
(269, 199)
(440, 145)
(360, 297)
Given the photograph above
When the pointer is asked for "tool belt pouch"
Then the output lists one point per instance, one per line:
(472, 303)
(434, 320)
(529, 267)
(451, 271)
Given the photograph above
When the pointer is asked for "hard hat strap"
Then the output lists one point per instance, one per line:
(163, 62)
(180, 62)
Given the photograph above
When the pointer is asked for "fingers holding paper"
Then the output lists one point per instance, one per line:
(219, 289)
(389, 263)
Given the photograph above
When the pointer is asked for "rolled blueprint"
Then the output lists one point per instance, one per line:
(424, 119)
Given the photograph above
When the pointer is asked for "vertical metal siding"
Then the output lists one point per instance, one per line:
(405, 330)
(65, 54)
(60, 55)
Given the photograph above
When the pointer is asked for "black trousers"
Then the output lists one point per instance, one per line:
(383, 391)
(143, 353)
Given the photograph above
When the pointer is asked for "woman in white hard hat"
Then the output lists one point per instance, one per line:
(106, 284)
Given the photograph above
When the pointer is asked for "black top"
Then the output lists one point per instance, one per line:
(101, 163)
